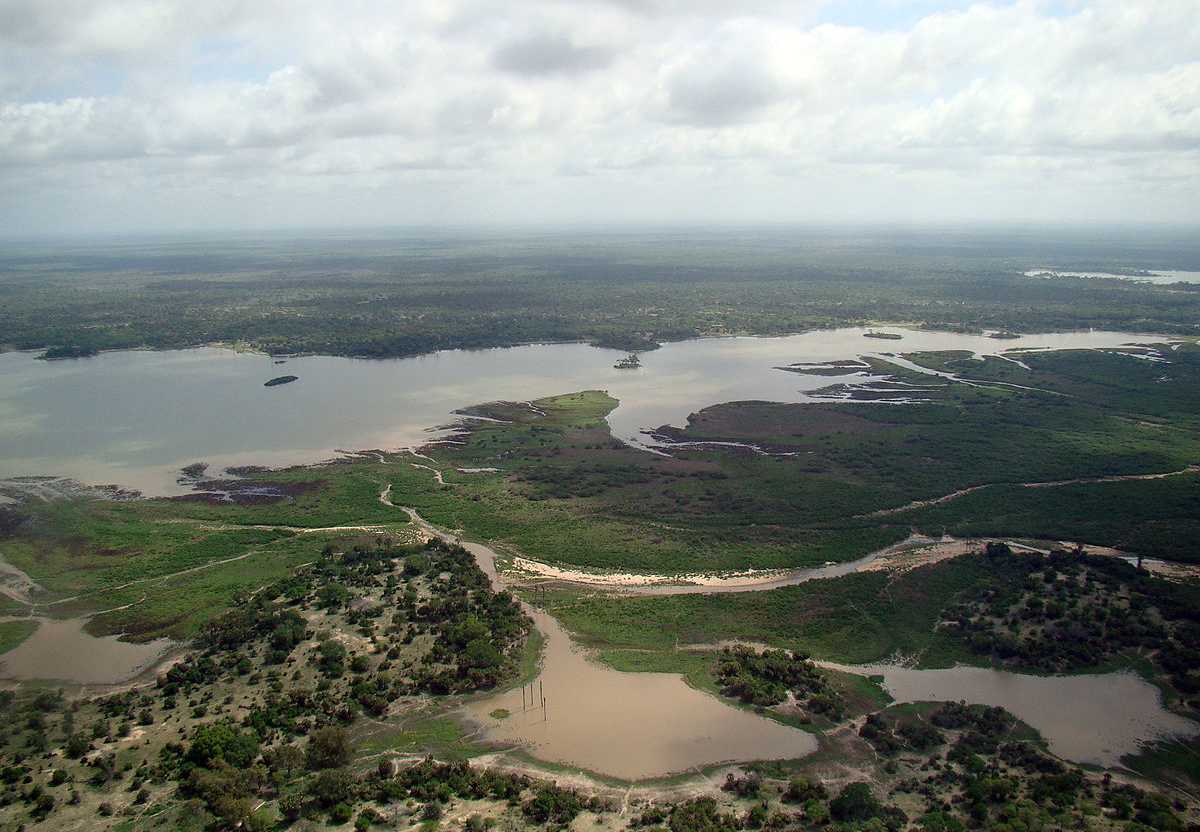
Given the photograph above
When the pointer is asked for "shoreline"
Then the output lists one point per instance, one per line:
(247, 349)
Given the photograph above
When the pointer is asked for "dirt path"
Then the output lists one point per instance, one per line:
(437, 475)
(954, 495)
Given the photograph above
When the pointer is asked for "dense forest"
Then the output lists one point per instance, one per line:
(403, 295)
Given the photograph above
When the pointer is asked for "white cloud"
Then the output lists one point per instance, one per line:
(625, 109)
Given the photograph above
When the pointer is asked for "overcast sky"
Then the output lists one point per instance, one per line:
(177, 114)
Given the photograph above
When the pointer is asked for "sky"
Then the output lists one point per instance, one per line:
(159, 115)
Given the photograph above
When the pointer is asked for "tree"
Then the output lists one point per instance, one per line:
(482, 654)
(331, 657)
(854, 804)
(77, 745)
(286, 760)
(291, 805)
(328, 748)
(332, 787)
(222, 741)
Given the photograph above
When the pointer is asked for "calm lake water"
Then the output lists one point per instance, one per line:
(1089, 719)
(627, 725)
(135, 418)
(60, 650)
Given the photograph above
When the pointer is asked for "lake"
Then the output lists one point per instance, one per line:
(60, 650)
(134, 418)
(1092, 719)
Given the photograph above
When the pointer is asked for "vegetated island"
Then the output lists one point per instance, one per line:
(278, 380)
(65, 352)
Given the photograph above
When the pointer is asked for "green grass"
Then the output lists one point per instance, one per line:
(164, 558)
(12, 633)
(856, 619)
(1176, 762)
(335, 495)
(531, 657)
(1157, 518)
(694, 666)
(441, 736)
(603, 531)
(568, 494)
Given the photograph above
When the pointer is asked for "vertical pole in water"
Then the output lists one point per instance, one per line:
(523, 697)
(542, 692)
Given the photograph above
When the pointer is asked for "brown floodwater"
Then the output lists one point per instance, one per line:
(642, 725)
(628, 725)
(633, 726)
(1094, 718)
(60, 650)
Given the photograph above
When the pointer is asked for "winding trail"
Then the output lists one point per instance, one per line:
(962, 492)
(586, 714)
(639, 725)
(914, 551)
(437, 475)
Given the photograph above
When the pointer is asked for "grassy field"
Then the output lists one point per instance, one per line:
(1176, 762)
(12, 633)
(164, 567)
(857, 618)
(1159, 518)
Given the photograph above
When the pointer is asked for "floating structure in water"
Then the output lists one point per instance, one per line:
(629, 362)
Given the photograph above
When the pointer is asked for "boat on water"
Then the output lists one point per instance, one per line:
(888, 336)
(629, 362)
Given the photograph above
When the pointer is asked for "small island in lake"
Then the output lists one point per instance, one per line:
(71, 351)
(889, 336)
(278, 380)
(629, 362)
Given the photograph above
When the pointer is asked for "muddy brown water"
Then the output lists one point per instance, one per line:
(642, 725)
(633, 726)
(1093, 719)
(628, 725)
(60, 650)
